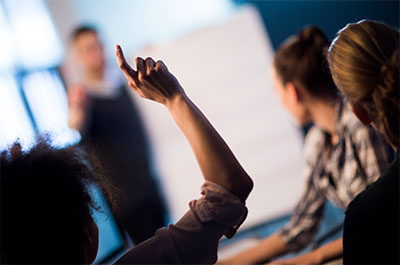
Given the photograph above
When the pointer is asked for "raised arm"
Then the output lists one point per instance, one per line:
(78, 106)
(153, 81)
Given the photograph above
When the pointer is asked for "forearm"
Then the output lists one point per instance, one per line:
(267, 249)
(330, 251)
(216, 161)
(324, 254)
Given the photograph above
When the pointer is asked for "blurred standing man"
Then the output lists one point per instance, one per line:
(101, 109)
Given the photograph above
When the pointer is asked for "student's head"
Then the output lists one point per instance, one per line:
(88, 48)
(46, 206)
(301, 73)
(364, 61)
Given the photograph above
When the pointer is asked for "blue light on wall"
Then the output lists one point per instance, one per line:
(110, 239)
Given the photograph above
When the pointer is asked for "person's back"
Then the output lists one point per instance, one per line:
(379, 205)
(364, 61)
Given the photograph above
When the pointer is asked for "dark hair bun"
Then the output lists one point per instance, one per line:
(302, 58)
(314, 36)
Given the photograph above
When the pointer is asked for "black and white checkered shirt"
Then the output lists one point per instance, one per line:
(335, 172)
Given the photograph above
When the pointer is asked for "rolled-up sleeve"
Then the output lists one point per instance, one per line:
(194, 238)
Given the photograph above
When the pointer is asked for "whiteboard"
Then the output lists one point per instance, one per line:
(226, 70)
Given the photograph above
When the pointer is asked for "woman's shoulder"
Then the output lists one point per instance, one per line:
(314, 136)
(313, 143)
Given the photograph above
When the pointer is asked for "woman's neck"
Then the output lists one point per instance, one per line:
(323, 114)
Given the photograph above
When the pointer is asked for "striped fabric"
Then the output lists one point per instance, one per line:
(335, 172)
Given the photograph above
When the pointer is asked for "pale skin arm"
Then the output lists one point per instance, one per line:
(273, 247)
(330, 251)
(267, 249)
(153, 81)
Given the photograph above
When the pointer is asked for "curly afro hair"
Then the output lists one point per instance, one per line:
(46, 203)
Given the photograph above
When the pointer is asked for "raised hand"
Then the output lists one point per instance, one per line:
(77, 97)
(218, 164)
(78, 104)
(151, 80)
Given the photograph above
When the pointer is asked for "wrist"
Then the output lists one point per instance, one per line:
(176, 100)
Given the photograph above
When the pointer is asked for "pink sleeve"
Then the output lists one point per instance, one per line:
(194, 238)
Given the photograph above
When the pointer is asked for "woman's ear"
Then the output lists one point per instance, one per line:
(294, 92)
(361, 114)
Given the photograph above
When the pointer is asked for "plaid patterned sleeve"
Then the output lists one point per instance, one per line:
(305, 220)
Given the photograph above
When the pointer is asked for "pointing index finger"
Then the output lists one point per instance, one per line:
(129, 73)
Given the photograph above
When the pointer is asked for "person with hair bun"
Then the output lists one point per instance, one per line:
(364, 61)
(341, 155)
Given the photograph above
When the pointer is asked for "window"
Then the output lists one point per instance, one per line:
(14, 120)
(33, 98)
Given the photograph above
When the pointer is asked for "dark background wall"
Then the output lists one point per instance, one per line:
(285, 18)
